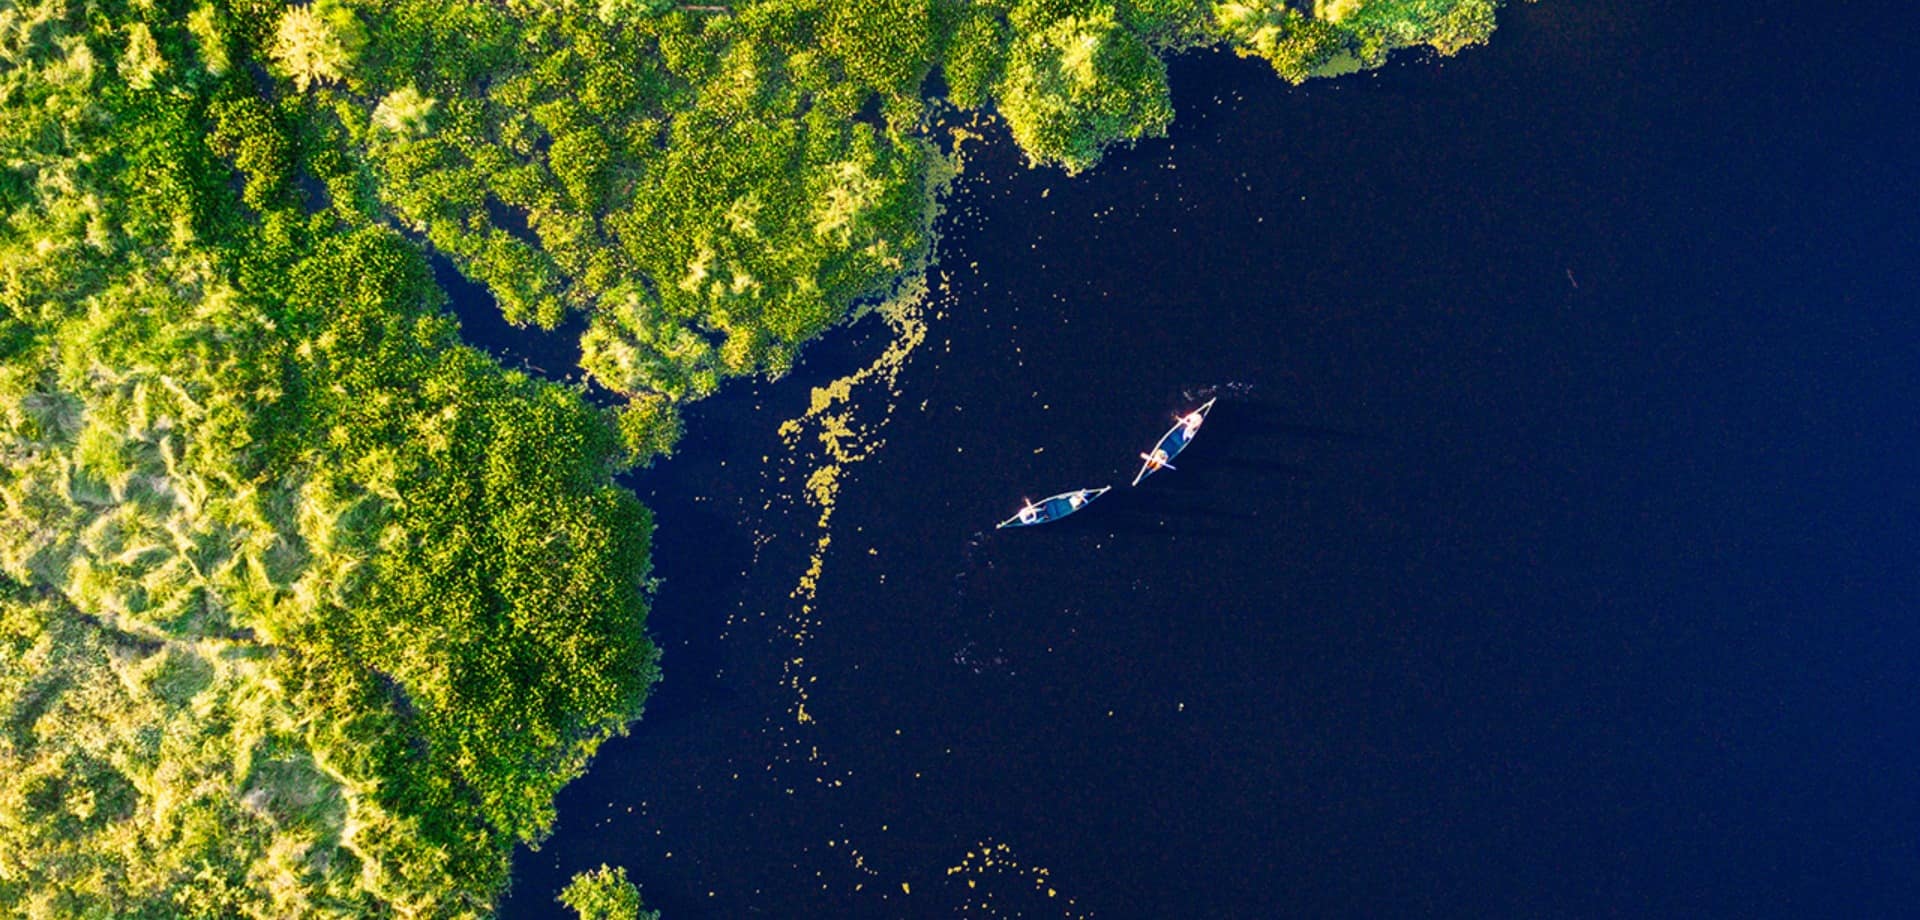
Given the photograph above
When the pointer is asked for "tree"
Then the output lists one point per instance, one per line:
(1081, 84)
(406, 113)
(884, 43)
(317, 43)
(1382, 25)
(649, 425)
(605, 894)
(1297, 45)
(975, 54)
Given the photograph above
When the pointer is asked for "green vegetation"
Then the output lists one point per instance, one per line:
(1081, 84)
(308, 609)
(605, 894)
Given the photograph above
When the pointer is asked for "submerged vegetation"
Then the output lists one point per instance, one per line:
(307, 608)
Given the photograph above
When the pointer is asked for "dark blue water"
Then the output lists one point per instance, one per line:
(1551, 551)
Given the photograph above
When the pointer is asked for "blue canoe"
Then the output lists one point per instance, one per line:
(1173, 442)
(1052, 509)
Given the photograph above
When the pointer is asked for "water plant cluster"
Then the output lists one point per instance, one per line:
(306, 607)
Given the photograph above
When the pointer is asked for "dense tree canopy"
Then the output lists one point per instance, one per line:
(306, 607)
(1080, 85)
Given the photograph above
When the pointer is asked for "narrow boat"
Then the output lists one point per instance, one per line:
(1052, 509)
(1173, 442)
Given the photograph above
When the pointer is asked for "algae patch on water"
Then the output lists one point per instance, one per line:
(833, 434)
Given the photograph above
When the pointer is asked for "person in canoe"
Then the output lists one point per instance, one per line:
(1192, 423)
(1053, 508)
(1173, 442)
(1157, 460)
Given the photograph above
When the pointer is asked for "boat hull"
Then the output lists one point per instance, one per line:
(1172, 443)
(1053, 508)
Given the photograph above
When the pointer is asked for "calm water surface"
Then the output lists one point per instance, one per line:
(1551, 551)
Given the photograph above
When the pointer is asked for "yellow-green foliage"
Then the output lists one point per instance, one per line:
(155, 778)
(976, 54)
(340, 681)
(1080, 85)
(1329, 37)
(316, 43)
(1298, 45)
(306, 609)
(1379, 26)
(649, 426)
(605, 894)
